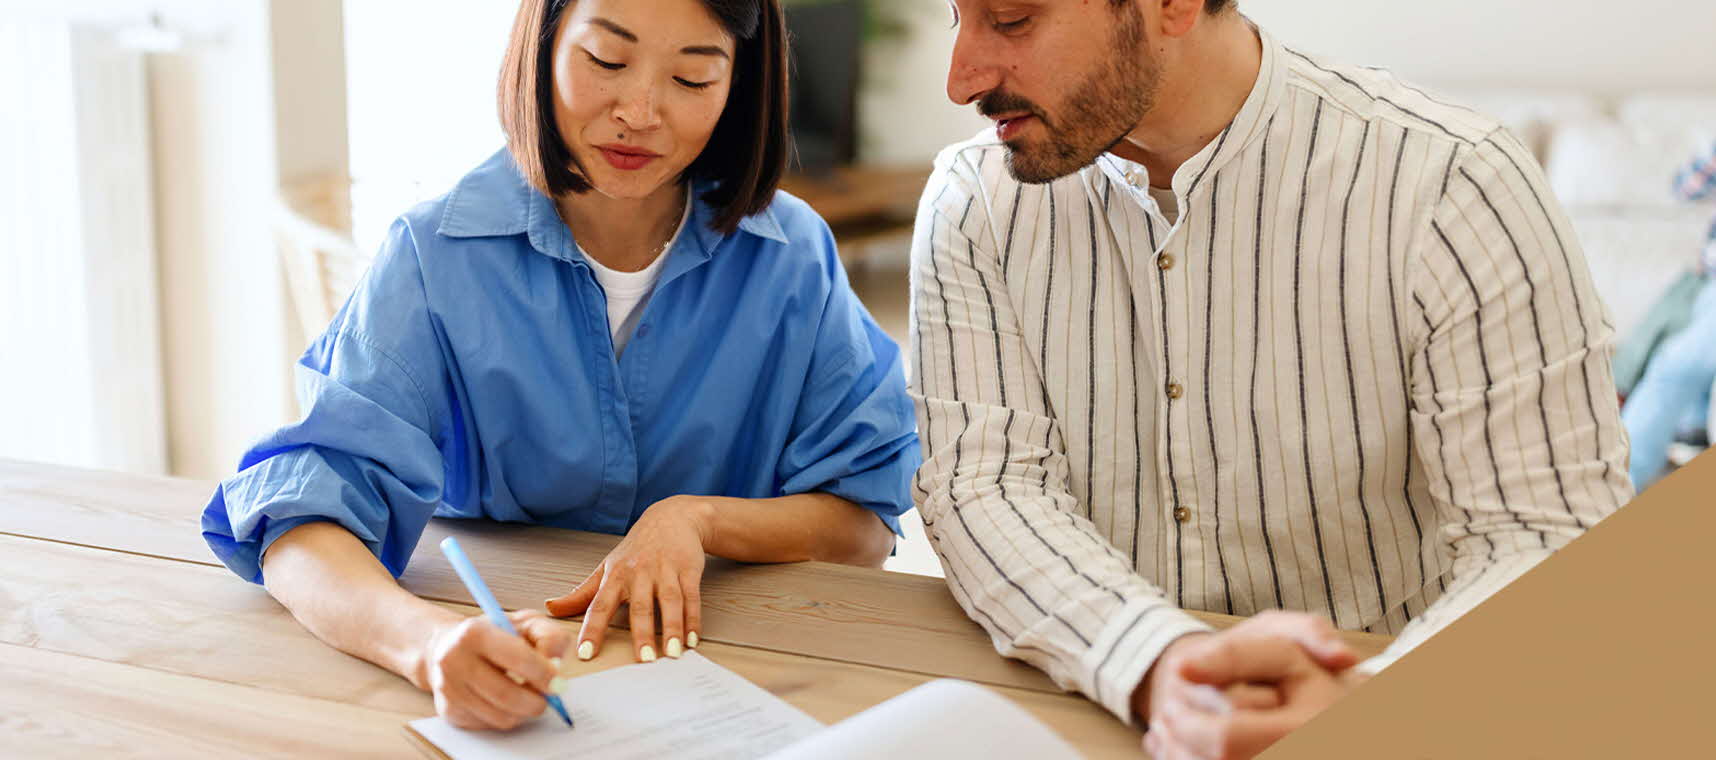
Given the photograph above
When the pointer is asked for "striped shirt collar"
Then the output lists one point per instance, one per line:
(1248, 126)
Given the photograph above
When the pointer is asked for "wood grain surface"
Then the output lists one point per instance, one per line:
(853, 614)
(184, 620)
(121, 634)
(57, 705)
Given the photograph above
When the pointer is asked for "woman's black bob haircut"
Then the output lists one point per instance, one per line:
(747, 153)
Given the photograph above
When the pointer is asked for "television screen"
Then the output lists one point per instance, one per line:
(825, 38)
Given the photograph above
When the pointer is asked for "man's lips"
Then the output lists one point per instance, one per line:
(1010, 125)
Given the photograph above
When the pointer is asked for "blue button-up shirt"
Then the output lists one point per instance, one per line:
(472, 374)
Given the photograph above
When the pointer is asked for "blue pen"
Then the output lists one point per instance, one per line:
(486, 600)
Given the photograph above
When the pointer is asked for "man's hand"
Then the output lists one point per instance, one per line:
(1203, 705)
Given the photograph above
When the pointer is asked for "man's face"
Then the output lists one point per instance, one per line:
(1065, 80)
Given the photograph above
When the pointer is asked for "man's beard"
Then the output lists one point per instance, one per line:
(1096, 117)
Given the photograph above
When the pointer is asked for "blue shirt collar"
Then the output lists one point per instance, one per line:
(495, 200)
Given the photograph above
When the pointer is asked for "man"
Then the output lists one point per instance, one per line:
(1207, 323)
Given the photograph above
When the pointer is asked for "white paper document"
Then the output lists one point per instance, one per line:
(945, 720)
(686, 708)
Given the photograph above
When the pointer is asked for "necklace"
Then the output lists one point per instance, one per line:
(684, 207)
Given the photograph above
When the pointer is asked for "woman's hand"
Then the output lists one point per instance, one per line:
(485, 678)
(660, 562)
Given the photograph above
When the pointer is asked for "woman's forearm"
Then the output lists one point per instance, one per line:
(813, 526)
(338, 590)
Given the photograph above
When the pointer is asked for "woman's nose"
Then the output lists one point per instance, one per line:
(638, 109)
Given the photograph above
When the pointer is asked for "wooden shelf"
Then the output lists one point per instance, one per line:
(863, 204)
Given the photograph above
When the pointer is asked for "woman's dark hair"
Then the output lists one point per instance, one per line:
(746, 154)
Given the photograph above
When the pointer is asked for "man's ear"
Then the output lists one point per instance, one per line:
(1177, 18)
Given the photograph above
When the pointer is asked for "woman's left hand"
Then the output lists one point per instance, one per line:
(659, 562)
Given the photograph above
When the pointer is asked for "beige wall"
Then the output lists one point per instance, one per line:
(1604, 47)
(222, 316)
(1589, 45)
(255, 98)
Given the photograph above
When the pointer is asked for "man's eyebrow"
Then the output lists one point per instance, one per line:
(627, 35)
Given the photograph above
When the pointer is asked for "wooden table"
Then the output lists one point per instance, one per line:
(121, 634)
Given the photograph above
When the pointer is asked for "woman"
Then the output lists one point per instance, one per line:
(616, 325)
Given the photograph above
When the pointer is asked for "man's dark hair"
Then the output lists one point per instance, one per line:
(746, 155)
(1211, 7)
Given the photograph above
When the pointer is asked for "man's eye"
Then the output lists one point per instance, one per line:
(604, 64)
(1011, 26)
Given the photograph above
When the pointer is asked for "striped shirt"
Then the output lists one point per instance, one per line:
(1697, 182)
(1364, 375)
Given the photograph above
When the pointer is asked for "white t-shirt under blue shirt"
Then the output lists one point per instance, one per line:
(628, 291)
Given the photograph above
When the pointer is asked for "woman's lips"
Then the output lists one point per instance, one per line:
(1009, 128)
(625, 160)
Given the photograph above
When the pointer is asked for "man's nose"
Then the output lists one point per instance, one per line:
(971, 74)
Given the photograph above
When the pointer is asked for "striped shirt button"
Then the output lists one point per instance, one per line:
(1137, 179)
(1165, 262)
(1183, 514)
(1175, 391)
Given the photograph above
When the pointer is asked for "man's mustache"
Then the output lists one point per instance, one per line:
(997, 103)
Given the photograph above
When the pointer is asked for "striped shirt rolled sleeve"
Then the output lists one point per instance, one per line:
(1364, 374)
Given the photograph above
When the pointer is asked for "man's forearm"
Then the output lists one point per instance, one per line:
(339, 592)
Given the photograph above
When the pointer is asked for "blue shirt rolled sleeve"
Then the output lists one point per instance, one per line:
(854, 431)
(364, 454)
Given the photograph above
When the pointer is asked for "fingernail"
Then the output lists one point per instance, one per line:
(586, 650)
(674, 650)
(554, 662)
(1209, 699)
(516, 678)
(557, 685)
(647, 654)
(547, 602)
(691, 639)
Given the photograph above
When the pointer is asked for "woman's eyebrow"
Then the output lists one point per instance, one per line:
(627, 35)
(619, 31)
(705, 50)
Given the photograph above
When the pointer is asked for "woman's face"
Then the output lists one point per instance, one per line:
(638, 88)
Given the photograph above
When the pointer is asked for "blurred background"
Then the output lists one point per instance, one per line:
(189, 187)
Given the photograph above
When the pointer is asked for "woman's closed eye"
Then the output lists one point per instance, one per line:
(604, 64)
(682, 81)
